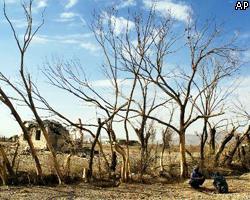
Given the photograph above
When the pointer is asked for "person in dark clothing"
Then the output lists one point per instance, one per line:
(197, 178)
(220, 183)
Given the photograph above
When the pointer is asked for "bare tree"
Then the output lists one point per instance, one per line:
(70, 77)
(6, 100)
(214, 128)
(244, 117)
(110, 45)
(181, 85)
(26, 95)
(212, 101)
(141, 108)
(81, 133)
(6, 163)
(3, 173)
(241, 112)
(212, 133)
(128, 58)
(229, 157)
(144, 53)
(223, 144)
(167, 135)
(80, 126)
(100, 125)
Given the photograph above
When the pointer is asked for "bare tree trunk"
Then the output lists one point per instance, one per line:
(50, 147)
(202, 144)
(8, 103)
(127, 163)
(122, 152)
(15, 155)
(183, 162)
(90, 172)
(35, 157)
(143, 160)
(162, 157)
(85, 174)
(67, 165)
(6, 162)
(103, 154)
(3, 174)
(81, 132)
(28, 86)
(212, 140)
(111, 150)
(190, 154)
(248, 139)
(239, 153)
(222, 147)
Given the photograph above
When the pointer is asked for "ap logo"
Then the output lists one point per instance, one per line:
(241, 5)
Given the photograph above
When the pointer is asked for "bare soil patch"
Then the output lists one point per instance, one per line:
(239, 188)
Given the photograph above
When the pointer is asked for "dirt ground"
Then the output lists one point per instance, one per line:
(239, 186)
(239, 189)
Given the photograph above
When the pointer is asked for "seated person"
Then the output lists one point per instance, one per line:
(220, 183)
(197, 178)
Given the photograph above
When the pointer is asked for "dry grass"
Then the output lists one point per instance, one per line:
(157, 187)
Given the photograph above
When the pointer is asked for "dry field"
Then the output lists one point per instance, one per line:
(155, 188)
(239, 189)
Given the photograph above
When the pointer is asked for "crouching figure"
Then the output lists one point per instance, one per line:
(197, 178)
(220, 183)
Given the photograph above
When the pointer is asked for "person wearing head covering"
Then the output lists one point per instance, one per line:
(220, 183)
(197, 178)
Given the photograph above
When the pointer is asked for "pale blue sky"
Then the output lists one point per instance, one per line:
(66, 34)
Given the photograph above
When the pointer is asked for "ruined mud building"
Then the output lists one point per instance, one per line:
(58, 135)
